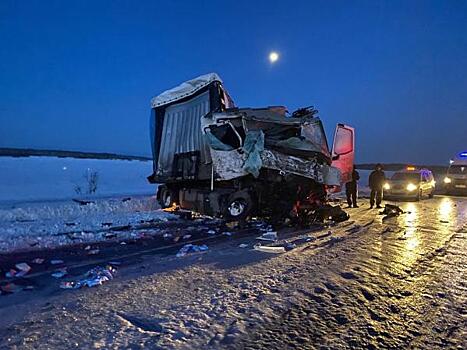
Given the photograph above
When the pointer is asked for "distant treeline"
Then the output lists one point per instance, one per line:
(399, 166)
(25, 152)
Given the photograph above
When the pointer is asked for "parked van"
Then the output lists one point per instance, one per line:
(455, 181)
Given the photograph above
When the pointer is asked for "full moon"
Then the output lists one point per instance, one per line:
(273, 56)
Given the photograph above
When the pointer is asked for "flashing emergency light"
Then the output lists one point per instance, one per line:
(410, 168)
(463, 154)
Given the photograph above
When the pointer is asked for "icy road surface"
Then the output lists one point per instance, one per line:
(401, 283)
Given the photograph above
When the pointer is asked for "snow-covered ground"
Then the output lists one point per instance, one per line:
(38, 225)
(37, 210)
(51, 178)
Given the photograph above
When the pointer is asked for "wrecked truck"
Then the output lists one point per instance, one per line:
(220, 160)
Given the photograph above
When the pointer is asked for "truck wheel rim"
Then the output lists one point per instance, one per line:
(236, 208)
(167, 200)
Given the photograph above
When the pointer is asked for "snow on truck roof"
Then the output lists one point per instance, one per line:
(185, 89)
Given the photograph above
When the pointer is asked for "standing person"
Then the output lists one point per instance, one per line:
(376, 182)
(351, 189)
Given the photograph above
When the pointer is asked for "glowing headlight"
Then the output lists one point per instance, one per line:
(387, 186)
(411, 187)
(447, 180)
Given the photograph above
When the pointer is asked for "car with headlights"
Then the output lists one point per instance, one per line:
(455, 181)
(410, 183)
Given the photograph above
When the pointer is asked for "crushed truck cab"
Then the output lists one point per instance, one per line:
(221, 160)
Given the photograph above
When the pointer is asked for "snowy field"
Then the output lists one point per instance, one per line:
(50, 178)
(37, 210)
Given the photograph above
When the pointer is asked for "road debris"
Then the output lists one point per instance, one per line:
(11, 273)
(191, 248)
(268, 236)
(38, 261)
(60, 273)
(92, 278)
(56, 261)
(23, 269)
(243, 245)
(269, 249)
(390, 211)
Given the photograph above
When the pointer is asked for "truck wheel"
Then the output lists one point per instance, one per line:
(432, 194)
(238, 206)
(164, 197)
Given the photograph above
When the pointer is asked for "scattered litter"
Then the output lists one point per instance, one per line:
(186, 237)
(167, 235)
(23, 267)
(56, 262)
(87, 247)
(390, 211)
(93, 252)
(110, 235)
(211, 232)
(38, 261)
(191, 248)
(8, 288)
(243, 245)
(266, 249)
(122, 243)
(310, 238)
(268, 236)
(227, 233)
(11, 273)
(60, 273)
(93, 277)
(289, 246)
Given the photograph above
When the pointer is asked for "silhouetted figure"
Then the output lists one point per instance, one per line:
(376, 182)
(351, 189)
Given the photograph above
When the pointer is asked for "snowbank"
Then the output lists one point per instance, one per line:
(51, 178)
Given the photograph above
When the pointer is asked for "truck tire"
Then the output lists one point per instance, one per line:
(239, 206)
(164, 196)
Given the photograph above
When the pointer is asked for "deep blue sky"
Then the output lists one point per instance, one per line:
(79, 75)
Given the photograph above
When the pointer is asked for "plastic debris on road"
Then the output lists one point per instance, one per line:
(268, 236)
(56, 262)
(60, 273)
(11, 273)
(23, 269)
(243, 245)
(391, 211)
(92, 278)
(268, 249)
(191, 248)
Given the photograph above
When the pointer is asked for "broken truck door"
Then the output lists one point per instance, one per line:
(343, 151)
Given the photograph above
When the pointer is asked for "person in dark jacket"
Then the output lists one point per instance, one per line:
(376, 182)
(351, 189)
